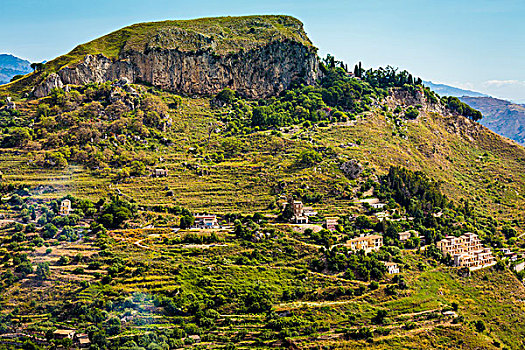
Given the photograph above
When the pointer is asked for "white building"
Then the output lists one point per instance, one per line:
(65, 207)
(206, 221)
(391, 267)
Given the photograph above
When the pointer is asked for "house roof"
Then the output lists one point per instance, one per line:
(365, 238)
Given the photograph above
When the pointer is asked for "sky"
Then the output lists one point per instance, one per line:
(472, 44)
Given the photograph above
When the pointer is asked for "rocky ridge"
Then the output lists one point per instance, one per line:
(186, 61)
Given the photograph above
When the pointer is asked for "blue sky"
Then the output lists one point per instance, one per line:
(475, 44)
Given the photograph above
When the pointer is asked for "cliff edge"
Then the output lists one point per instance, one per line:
(258, 56)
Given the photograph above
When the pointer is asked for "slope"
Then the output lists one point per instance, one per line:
(125, 268)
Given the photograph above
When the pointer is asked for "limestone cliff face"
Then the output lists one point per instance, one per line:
(256, 73)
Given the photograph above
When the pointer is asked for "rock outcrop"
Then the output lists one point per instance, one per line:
(352, 169)
(266, 68)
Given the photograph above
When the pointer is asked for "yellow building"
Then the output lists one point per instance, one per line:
(467, 251)
(367, 243)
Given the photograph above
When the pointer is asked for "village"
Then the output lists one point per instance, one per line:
(463, 252)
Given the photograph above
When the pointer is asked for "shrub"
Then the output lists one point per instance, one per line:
(308, 158)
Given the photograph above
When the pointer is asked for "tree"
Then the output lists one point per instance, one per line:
(37, 66)
(113, 326)
(308, 158)
(480, 326)
(226, 96)
(24, 268)
(508, 232)
(411, 113)
(379, 318)
(42, 270)
(187, 221)
(49, 231)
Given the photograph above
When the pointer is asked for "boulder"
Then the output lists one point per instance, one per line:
(51, 82)
(352, 169)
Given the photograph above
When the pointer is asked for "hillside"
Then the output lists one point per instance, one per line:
(103, 181)
(503, 117)
(11, 66)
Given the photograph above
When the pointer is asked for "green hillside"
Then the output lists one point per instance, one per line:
(126, 267)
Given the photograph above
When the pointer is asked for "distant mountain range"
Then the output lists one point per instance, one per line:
(447, 90)
(503, 117)
(11, 66)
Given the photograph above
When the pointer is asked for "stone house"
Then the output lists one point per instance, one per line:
(64, 334)
(160, 172)
(331, 223)
(298, 211)
(403, 236)
(467, 251)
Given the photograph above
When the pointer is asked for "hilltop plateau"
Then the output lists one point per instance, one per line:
(254, 55)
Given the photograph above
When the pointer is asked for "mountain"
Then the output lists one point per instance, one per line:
(253, 55)
(447, 90)
(146, 200)
(11, 66)
(501, 116)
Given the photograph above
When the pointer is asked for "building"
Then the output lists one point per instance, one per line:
(391, 267)
(64, 334)
(519, 266)
(403, 236)
(65, 207)
(467, 251)
(206, 221)
(331, 224)
(309, 211)
(160, 173)
(298, 210)
(83, 340)
(367, 243)
(378, 205)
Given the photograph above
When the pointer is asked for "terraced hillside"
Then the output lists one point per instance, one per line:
(129, 268)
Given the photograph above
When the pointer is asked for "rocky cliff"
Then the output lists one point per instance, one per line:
(256, 56)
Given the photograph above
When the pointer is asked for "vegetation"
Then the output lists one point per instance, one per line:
(127, 268)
